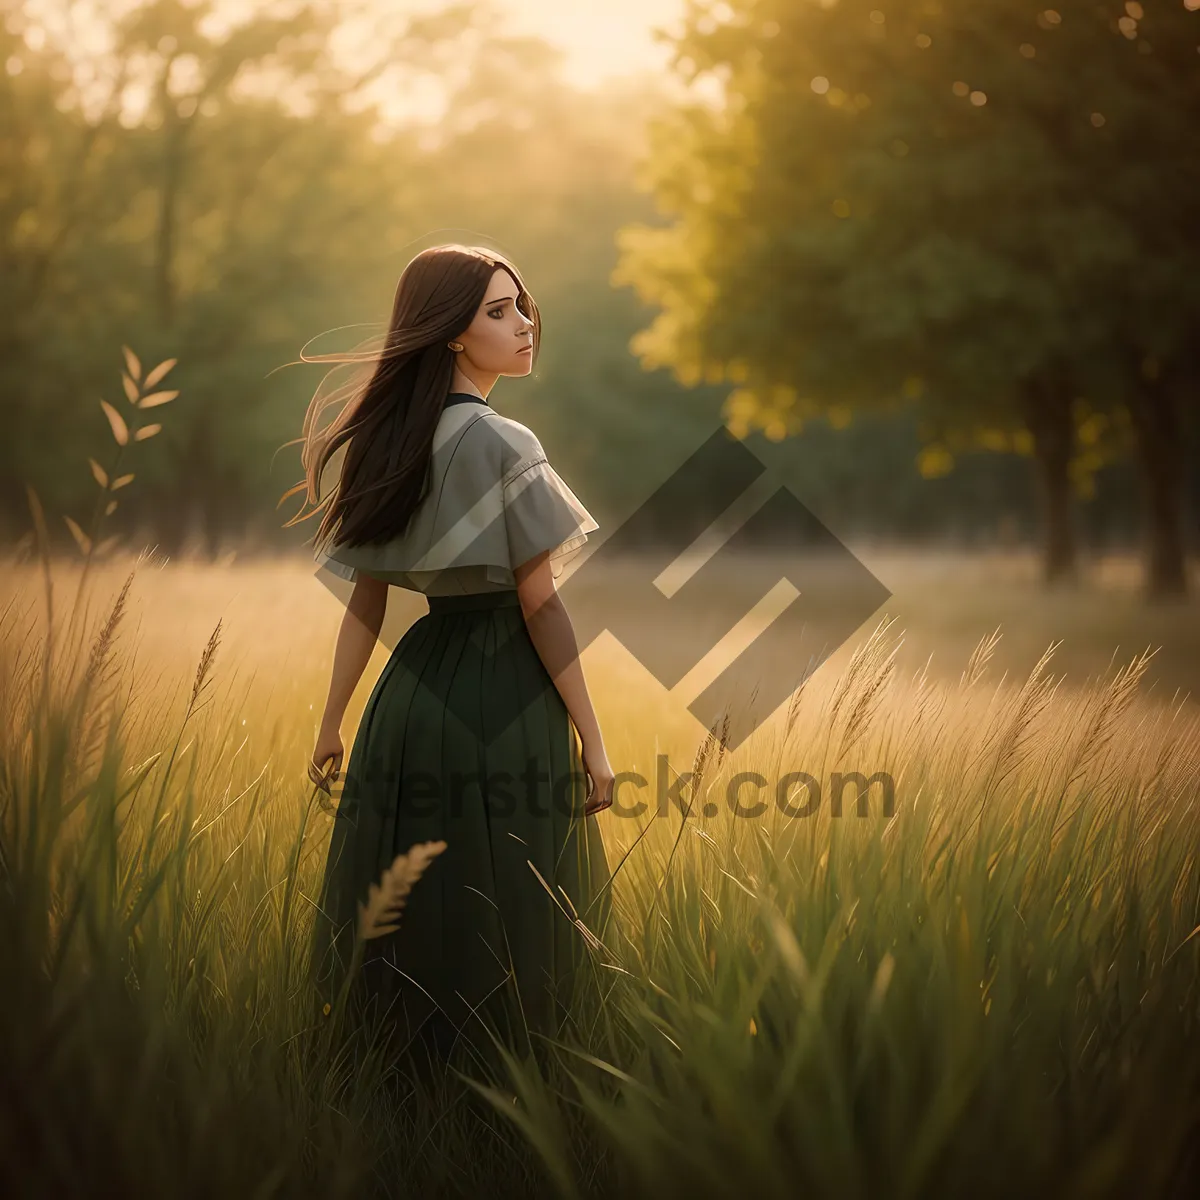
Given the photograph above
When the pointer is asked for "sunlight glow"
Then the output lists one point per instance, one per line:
(598, 40)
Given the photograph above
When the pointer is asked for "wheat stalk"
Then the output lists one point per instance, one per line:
(204, 666)
(980, 657)
(870, 693)
(102, 646)
(92, 718)
(386, 899)
(712, 749)
(866, 655)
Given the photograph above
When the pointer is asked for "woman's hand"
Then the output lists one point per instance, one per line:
(329, 747)
(600, 795)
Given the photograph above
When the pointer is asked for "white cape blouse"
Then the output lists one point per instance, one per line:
(493, 502)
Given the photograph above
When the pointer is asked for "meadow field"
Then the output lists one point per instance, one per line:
(993, 989)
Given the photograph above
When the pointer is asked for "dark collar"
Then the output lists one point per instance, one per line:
(463, 398)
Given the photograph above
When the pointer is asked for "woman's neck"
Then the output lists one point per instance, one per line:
(460, 383)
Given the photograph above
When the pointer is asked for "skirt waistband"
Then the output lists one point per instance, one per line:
(472, 601)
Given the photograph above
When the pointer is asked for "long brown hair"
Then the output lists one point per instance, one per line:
(389, 423)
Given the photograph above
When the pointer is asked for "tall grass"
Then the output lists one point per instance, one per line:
(995, 990)
(156, 1028)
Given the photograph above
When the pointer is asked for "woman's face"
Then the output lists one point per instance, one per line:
(495, 342)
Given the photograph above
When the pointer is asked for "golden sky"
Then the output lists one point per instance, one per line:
(599, 39)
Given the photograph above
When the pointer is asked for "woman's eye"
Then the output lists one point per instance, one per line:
(496, 312)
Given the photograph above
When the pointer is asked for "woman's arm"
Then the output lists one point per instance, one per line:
(355, 644)
(553, 637)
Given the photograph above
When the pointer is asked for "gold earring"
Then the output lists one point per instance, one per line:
(454, 345)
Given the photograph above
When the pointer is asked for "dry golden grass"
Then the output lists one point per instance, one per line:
(887, 698)
(997, 979)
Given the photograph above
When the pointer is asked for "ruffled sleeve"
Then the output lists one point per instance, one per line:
(541, 512)
(328, 562)
(494, 502)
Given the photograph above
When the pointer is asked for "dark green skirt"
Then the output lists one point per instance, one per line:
(466, 740)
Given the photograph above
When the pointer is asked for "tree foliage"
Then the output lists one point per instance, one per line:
(980, 207)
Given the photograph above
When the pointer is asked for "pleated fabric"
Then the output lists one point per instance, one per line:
(465, 739)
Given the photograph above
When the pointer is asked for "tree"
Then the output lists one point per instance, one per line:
(926, 203)
(205, 227)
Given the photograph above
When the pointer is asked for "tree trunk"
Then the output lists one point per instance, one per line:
(1046, 404)
(1158, 436)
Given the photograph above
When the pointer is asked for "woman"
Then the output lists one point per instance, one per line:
(469, 736)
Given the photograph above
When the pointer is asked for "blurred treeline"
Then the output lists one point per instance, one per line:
(259, 202)
(941, 319)
(980, 211)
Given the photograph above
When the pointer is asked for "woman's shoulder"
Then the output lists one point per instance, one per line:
(506, 442)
